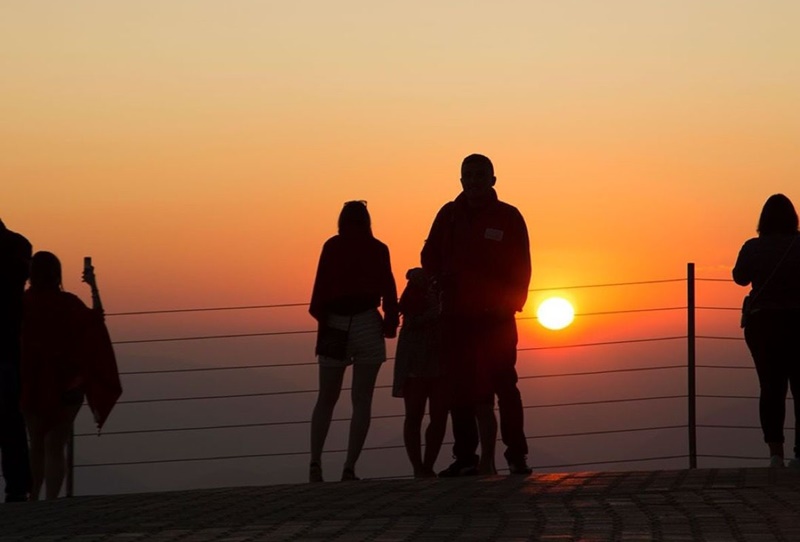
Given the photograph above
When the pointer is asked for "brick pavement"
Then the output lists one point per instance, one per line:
(704, 504)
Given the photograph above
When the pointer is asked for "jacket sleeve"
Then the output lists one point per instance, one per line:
(103, 386)
(742, 270)
(433, 250)
(321, 291)
(520, 277)
(97, 361)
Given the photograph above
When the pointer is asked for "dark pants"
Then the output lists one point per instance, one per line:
(480, 357)
(13, 437)
(773, 338)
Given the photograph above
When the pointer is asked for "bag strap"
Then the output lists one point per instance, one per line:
(777, 265)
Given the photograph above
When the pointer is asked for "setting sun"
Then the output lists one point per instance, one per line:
(555, 313)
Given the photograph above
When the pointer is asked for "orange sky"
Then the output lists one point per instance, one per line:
(201, 152)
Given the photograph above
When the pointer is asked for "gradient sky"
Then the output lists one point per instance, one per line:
(201, 150)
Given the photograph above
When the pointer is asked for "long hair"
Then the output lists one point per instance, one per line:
(45, 271)
(778, 216)
(354, 219)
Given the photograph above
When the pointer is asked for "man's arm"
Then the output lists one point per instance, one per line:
(520, 272)
(433, 250)
(320, 290)
(742, 271)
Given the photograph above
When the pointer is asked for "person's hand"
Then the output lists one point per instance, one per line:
(88, 276)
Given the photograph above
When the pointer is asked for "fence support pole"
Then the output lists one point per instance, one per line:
(70, 475)
(690, 341)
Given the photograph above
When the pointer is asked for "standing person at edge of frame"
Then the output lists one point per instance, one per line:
(478, 253)
(15, 260)
(353, 279)
(770, 263)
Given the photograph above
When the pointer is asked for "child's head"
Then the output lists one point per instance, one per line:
(417, 277)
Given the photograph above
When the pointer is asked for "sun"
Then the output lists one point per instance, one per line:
(555, 313)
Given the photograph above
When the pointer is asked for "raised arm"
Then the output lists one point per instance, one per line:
(90, 279)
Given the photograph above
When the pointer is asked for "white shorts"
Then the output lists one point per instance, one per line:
(365, 342)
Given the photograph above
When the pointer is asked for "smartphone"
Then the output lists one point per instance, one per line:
(87, 263)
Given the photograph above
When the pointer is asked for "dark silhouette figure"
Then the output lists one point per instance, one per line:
(478, 253)
(770, 263)
(66, 356)
(15, 256)
(354, 278)
(417, 372)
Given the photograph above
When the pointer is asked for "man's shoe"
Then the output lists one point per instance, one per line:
(460, 468)
(519, 466)
(13, 497)
(794, 463)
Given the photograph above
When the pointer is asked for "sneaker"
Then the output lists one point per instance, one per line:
(794, 463)
(315, 473)
(460, 468)
(520, 466)
(776, 462)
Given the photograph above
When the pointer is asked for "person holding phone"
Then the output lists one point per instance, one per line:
(66, 356)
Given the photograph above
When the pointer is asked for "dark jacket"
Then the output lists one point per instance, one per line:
(15, 257)
(65, 348)
(480, 257)
(354, 275)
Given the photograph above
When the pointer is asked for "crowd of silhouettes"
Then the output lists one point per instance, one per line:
(457, 347)
(456, 351)
(458, 344)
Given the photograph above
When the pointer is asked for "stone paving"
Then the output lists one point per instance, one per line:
(704, 504)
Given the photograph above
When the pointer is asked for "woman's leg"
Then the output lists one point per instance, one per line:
(330, 385)
(36, 454)
(765, 347)
(364, 376)
(55, 446)
(414, 399)
(792, 361)
(437, 424)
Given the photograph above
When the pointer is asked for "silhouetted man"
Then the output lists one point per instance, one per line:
(478, 252)
(15, 256)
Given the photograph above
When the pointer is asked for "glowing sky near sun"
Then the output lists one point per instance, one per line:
(200, 151)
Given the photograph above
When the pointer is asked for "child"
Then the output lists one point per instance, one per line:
(417, 374)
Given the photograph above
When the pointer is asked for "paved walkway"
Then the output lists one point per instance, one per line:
(704, 504)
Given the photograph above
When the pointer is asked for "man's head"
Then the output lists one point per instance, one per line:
(477, 178)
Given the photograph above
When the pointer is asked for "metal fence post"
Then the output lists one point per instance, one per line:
(690, 342)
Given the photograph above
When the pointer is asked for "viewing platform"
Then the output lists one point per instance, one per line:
(747, 504)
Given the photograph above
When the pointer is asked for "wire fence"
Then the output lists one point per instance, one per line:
(673, 399)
